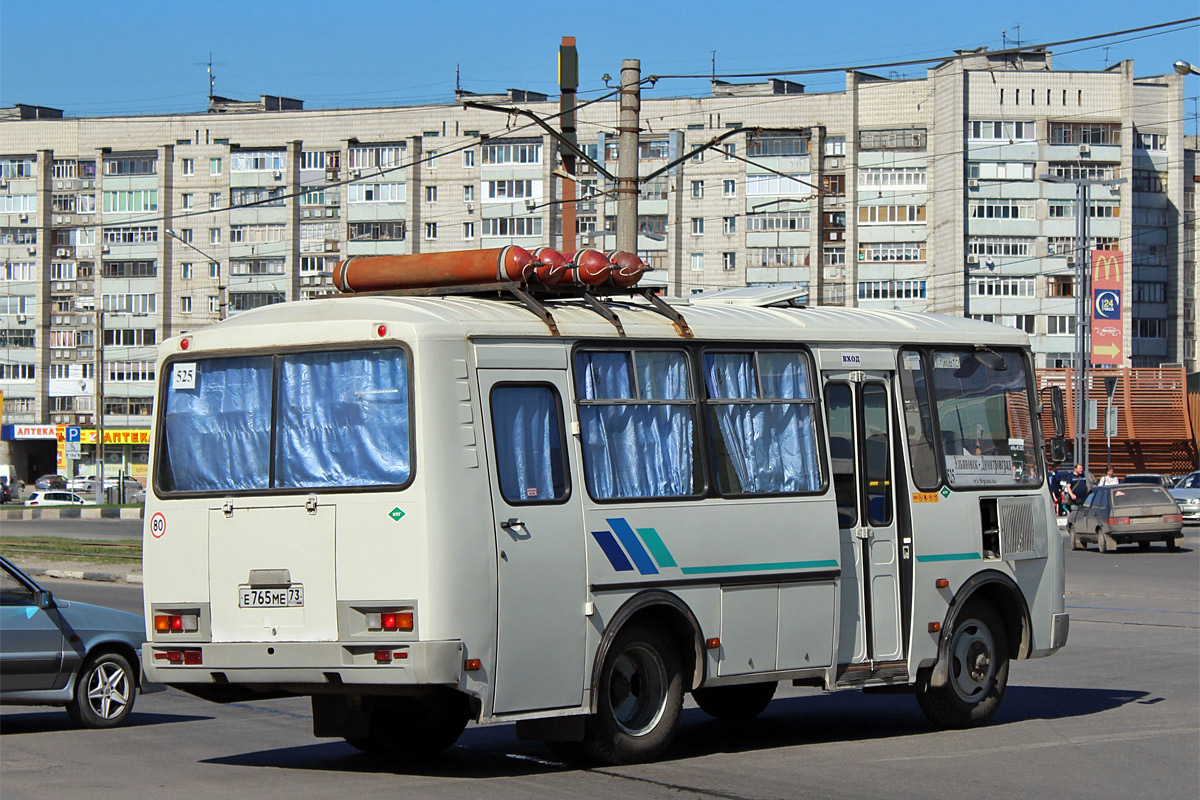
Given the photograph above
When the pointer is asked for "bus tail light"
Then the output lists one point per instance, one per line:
(1118, 520)
(176, 623)
(391, 619)
(1172, 517)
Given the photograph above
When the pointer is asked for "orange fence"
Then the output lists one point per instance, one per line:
(1154, 432)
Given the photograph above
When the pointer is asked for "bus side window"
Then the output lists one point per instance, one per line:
(528, 431)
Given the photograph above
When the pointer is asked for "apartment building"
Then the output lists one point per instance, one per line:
(923, 193)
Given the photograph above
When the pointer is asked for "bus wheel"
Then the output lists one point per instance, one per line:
(735, 703)
(978, 671)
(640, 698)
(414, 726)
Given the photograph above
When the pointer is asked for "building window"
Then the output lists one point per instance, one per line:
(697, 189)
(1074, 171)
(891, 251)
(890, 215)
(1000, 246)
(185, 200)
(530, 153)
(430, 194)
(891, 290)
(777, 185)
(131, 165)
(214, 235)
(1060, 286)
(892, 139)
(697, 226)
(469, 193)
(730, 188)
(777, 144)
(730, 151)
(512, 226)
(1151, 141)
(834, 185)
(729, 261)
(653, 150)
(1147, 292)
(258, 161)
(1003, 131)
(834, 256)
(783, 221)
(777, 257)
(185, 271)
(468, 158)
(999, 208)
(214, 269)
(377, 231)
(1085, 133)
(214, 304)
(185, 304)
(526, 189)
(189, 166)
(1149, 328)
(835, 145)
(995, 286)
(729, 225)
(430, 230)
(1060, 325)
(376, 193)
(376, 156)
(214, 200)
(697, 262)
(468, 230)
(214, 166)
(132, 200)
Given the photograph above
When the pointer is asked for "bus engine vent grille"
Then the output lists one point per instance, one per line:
(1020, 536)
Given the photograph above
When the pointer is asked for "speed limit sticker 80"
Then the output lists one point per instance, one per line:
(158, 525)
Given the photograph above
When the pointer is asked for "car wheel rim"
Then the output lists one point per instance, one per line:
(108, 691)
(973, 661)
(637, 690)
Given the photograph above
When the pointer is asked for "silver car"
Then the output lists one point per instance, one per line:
(59, 653)
(1187, 493)
(1127, 512)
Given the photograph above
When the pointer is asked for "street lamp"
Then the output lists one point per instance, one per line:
(1184, 68)
(222, 305)
(1083, 305)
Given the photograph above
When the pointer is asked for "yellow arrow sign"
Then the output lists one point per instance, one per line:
(1110, 350)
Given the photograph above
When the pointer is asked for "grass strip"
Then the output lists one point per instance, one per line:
(107, 551)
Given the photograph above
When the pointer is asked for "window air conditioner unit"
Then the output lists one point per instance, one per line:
(330, 247)
(277, 174)
(355, 173)
(21, 319)
(1085, 149)
(1071, 259)
(972, 183)
(972, 259)
(103, 248)
(31, 250)
(3, 184)
(23, 217)
(62, 251)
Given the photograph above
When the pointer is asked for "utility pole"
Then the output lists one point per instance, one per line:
(568, 82)
(99, 383)
(1083, 305)
(627, 163)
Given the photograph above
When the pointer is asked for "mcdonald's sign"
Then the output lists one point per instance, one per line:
(1108, 323)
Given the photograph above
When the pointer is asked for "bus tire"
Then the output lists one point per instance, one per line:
(735, 703)
(414, 726)
(977, 672)
(640, 698)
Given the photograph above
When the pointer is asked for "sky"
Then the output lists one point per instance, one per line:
(135, 57)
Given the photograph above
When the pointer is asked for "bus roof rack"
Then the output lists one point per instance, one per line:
(531, 296)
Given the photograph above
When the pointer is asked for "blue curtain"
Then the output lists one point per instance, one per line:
(525, 422)
(343, 419)
(771, 446)
(636, 449)
(218, 434)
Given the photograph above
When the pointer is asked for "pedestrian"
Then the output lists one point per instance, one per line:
(1109, 479)
(1076, 490)
(1056, 490)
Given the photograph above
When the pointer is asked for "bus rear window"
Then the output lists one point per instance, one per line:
(339, 419)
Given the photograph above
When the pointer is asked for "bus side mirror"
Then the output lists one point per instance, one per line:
(1058, 414)
(1058, 450)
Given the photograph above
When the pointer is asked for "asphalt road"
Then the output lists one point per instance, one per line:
(1115, 714)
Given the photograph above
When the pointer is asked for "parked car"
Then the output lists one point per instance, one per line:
(6, 492)
(59, 498)
(60, 653)
(1187, 494)
(1152, 478)
(50, 482)
(82, 483)
(1114, 515)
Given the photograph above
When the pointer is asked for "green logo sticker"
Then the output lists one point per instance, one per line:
(396, 513)
(945, 491)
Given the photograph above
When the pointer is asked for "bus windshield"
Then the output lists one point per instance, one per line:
(984, 416)
(298, 421)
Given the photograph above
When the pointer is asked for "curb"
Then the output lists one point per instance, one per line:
(72, 512)
(82, 575)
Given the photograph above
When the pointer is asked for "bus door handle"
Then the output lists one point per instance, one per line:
(863, 533)
(511, 525)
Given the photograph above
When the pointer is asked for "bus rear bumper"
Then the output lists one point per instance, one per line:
(318, 664)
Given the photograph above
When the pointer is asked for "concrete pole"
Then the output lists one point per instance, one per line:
(627, 163)
(568, 82)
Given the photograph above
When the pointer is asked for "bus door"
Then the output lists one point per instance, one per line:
(541, 576)
(858, 411)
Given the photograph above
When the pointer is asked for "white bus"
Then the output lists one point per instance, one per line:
(424, 511)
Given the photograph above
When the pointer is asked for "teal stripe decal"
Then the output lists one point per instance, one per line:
(951, 557)
(657, 549)
(775, 567)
